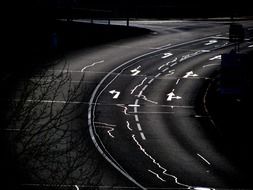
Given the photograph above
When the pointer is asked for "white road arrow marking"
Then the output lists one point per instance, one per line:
(250, 46)
(117, 93)
(171, 72)
(190, 74)
(135, 71)
(173, 96)
(165, 55)
(215, 57)
(211, 42)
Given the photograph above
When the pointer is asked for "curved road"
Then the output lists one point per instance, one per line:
(148, 117)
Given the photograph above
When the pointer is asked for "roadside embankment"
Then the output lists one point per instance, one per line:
(232, 115)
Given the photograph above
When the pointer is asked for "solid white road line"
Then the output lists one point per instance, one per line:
(136, 117)
(152, 112)
(94, 99)
(139, 126)
(93, 64)
(142, 136)
(205, 160)
(157, 175)
(77, 188)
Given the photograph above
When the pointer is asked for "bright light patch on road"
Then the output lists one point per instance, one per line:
(203, 188)
(215, 57)
(211, 42)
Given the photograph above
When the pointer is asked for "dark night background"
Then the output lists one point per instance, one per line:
(30, 23)
(134, 9)
(28, 27)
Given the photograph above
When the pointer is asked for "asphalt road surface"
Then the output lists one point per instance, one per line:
(146, 102)
(148, 117)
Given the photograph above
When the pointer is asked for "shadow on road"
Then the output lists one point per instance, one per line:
(31, 48)
(233, 117)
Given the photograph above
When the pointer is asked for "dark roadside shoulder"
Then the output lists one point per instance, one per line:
(36, 44)
(232, 115)
(73, 35)
(32, 47)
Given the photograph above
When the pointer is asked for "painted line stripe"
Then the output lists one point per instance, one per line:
(136, 117)
(128, 126)
(158, 75)
(133, 105)
(160, 47)
(161, 67)
(173, 64)
(157, 175)
(158, 164)
(142, 136)
(149, 82)
(139, 126)
(91, 65)
(205, 160)
(144, 88)
(220, 37)
(142, 82)
(165, 70)
(92, 105)
(136, 103)
(140, 94)
(103, 104)
(151, 112)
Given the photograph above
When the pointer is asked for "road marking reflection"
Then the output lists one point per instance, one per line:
(204, 159)
(93, 64)
(157, 164)
(157, 175)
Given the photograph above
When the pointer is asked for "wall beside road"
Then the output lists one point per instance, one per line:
(229, 103)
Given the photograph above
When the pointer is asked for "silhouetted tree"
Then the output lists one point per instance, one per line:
(44, 133)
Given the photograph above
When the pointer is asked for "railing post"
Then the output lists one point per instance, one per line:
(127, 21)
